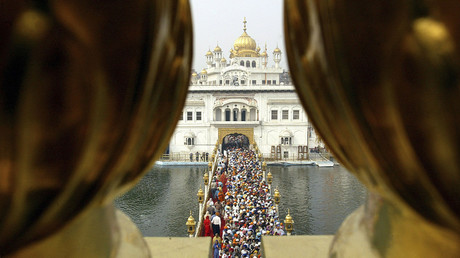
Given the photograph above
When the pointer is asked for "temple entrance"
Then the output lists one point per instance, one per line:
(224, 132)
(235, 140)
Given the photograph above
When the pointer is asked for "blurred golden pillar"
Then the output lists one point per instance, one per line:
(289, 223)
(190, 225)
(83, 89)
(380, 81)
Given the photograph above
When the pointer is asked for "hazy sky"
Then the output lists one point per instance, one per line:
(221, 21)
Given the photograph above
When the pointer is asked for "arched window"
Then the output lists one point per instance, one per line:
(235, 114)
(253, 63)
(248, 64)
(189, 139)
(218, 113)
(243, 115)
(252, 114)
(242, 63)
(227, 114)
(286, 138)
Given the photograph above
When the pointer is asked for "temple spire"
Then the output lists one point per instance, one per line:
(244, 22)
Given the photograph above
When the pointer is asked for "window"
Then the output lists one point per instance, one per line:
(243, 115)
(285, 115)
(253, 63)
(218, 114)
(227, 115)
(263, 82)
(242, 63)
(269, 82)
(286, 140)
(254, 82)
(274, 114)
(227, 82)
(274, 82)
(220, 82)
(189, 116)
(198, 115)
(248, 64)
(295, 114)
(242, 82)
(189, 141)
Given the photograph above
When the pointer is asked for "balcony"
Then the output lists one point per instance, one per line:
(235, 123)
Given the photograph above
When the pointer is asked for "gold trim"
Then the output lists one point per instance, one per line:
(248, 132)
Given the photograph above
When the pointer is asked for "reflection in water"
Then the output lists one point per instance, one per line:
(319, 198)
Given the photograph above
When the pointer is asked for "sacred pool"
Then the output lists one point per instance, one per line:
(319, 198)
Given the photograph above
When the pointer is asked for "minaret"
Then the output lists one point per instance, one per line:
(277, 57)
(264, 56)
(204, 77)
(217, 55)
(209, 58)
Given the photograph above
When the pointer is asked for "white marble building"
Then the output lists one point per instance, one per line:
(244, 96)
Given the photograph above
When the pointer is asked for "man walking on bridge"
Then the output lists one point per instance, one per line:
(215, 222)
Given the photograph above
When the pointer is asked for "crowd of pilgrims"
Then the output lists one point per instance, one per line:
(235, 141)
(241, 209)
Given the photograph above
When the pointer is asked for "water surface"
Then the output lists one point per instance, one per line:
(319, 198)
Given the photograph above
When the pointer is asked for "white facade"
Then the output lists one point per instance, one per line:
(244, 94)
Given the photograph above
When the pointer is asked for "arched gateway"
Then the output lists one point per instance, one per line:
(235, 140)
(248, 134)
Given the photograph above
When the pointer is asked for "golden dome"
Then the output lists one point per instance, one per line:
(209, 53)
(217, 49)
(223, 60)
(194, 74)
(277, 50)
(264, 54)
(244, 42)
(244, 45)
(204, 71)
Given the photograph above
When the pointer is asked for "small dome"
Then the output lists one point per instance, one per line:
(204, 71)
(217, 49)
(223, 60)
(209, 53)
(277, 50)
(194, 74)
(264, 54)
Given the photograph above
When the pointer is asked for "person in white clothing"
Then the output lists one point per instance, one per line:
(215, 222)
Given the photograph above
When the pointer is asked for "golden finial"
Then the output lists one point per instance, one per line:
(244, 22)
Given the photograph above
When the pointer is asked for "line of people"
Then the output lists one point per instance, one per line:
(242, 206)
